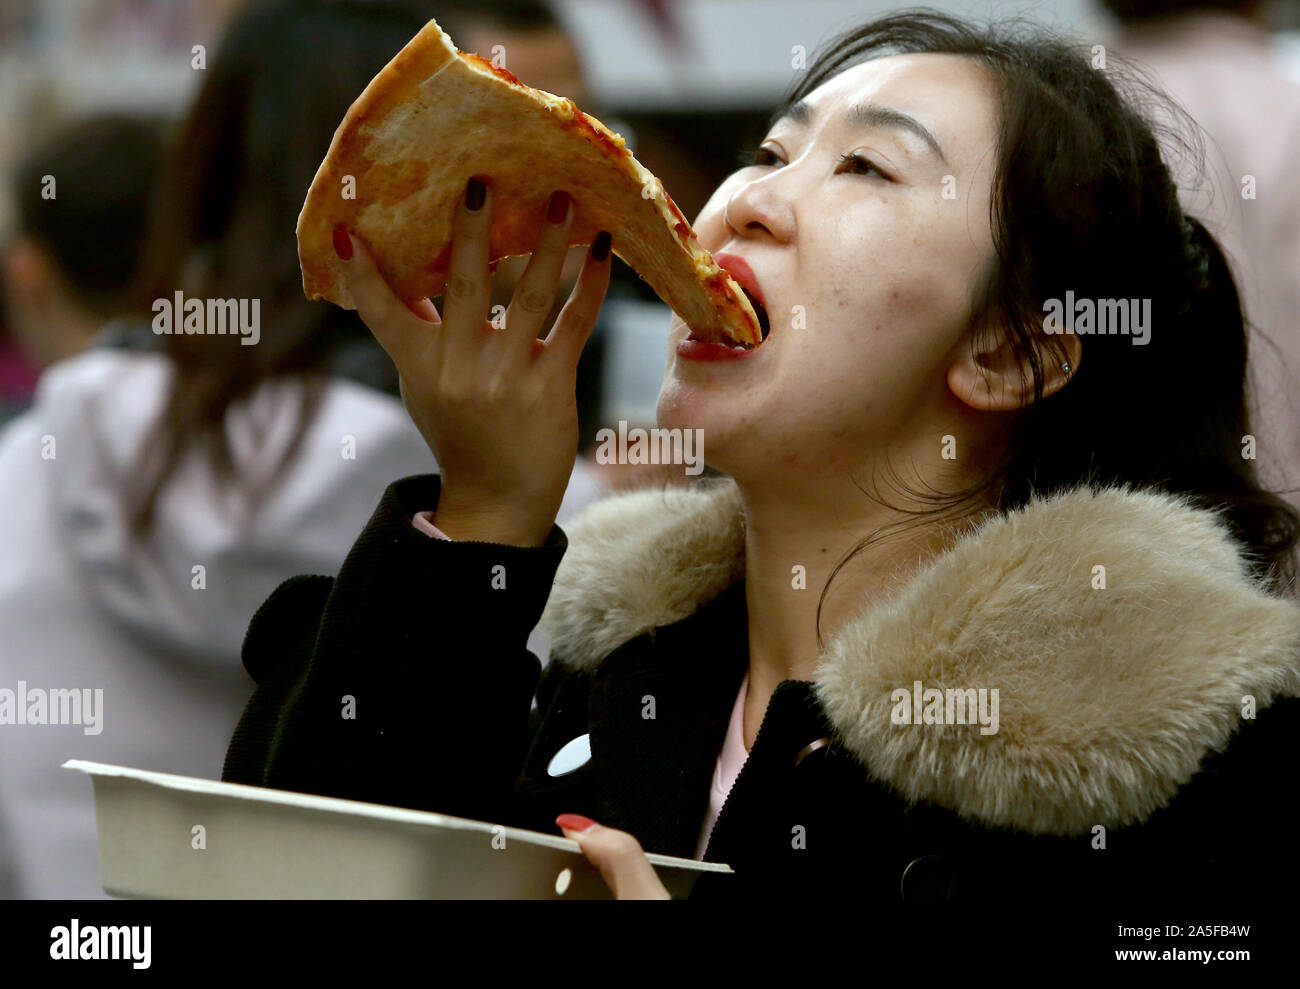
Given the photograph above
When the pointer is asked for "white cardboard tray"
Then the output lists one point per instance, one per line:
(274, 844)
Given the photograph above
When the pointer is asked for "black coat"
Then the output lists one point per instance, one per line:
(1120, 706)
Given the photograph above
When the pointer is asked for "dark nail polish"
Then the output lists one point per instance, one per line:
(475, 194)
(559, 207)
(342, 246)
(600, 249)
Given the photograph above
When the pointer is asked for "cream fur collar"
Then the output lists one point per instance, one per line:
(1108, 698)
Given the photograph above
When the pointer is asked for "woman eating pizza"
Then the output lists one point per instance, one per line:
(989, 602)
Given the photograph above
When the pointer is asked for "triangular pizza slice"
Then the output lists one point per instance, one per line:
(434, 117)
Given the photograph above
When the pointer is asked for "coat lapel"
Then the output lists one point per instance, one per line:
(658, 712)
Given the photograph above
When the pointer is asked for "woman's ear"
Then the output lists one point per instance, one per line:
(988, 376)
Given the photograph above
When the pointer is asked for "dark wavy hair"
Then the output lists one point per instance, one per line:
(1083, 201)
(284, 75)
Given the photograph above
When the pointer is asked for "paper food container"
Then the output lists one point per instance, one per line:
(177, 837)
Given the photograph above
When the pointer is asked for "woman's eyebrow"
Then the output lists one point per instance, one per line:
(865, 115)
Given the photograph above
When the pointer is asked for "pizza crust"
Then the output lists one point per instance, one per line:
(434, 117)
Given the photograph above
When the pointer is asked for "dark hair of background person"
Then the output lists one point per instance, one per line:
(456, 17)
(1132, 11)
(105, 170)
(1083, 201)
(281, 80)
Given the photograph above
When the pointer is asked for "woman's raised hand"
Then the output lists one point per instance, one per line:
(498, 407)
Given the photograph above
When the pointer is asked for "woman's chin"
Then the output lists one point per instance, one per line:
(685, 406)
(721, 424)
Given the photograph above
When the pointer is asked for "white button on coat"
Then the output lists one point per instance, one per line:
(572, 756)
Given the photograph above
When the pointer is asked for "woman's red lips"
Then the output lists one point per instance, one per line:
(705, 350)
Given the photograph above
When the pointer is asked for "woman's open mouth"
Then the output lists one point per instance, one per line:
(708, 350)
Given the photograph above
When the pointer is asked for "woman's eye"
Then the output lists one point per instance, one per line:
(762, 156)
(856, 164)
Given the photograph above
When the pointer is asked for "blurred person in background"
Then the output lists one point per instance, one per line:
(1214, 57)
(526, 36)
(82, 208)
(82, 211)
(162, 485)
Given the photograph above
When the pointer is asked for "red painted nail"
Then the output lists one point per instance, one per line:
(342, 245)
(559, 207)
(574, 822)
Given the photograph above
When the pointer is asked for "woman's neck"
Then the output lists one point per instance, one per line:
(791, 546)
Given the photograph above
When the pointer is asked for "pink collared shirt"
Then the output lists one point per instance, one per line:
(730, 761)
(424, 522)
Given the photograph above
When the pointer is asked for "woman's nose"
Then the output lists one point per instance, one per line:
(756, 209)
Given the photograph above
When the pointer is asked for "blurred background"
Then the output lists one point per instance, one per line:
(154, 489)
